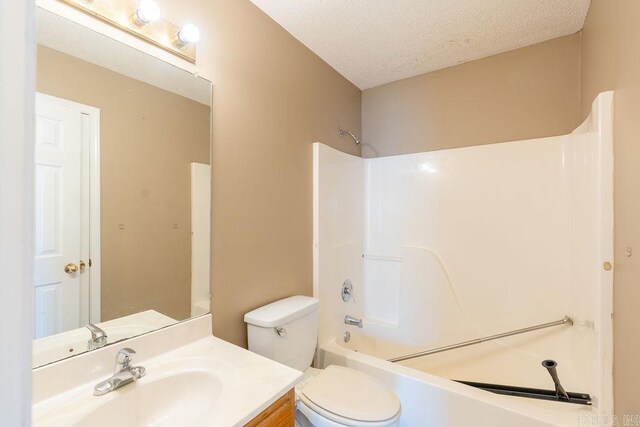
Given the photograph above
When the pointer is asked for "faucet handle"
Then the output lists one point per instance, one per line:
(96, 332)
(123, 358)
(347, 291)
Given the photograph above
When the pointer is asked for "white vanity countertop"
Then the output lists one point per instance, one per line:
(200, 381)
(261, 382)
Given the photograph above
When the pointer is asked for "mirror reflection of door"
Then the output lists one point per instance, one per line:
(123, 192)
(66, 137)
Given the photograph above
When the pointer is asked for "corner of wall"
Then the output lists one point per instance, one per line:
(580, 74)
(17, 86)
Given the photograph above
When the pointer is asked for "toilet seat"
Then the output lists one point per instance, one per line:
(351, 398)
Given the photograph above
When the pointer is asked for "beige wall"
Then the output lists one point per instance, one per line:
(526, 93)
(611, 60)
(272, 99)
(149, 137)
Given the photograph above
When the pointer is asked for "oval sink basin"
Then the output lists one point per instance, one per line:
(180, 392)
(180, 399)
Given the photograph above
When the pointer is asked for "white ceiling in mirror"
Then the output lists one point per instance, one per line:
(373, 42)
(76, 40)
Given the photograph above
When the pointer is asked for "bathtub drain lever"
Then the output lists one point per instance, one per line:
(551, 367)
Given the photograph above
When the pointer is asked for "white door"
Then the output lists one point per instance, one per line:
(200, 238)
(58, 216)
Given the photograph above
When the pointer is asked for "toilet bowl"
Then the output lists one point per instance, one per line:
(341, 396)
(286, 331)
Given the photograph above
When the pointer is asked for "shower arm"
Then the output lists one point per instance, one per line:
(566, 320)
(342, 133)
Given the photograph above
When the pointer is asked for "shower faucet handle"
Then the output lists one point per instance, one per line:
(347, 291)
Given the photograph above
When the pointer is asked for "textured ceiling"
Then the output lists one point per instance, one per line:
(373, 42)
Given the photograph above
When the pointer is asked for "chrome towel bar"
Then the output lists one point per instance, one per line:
(566, 320)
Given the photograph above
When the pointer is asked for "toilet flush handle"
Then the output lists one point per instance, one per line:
(282, 332)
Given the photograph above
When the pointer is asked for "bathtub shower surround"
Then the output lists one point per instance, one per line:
(448, 246)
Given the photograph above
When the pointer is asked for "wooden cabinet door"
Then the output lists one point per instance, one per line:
(280, 414)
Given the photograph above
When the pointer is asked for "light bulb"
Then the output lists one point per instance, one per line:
(148, 11)
(188, 34)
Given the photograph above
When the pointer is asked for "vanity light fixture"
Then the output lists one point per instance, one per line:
(143, 19)
(188, 34)
(147, 11)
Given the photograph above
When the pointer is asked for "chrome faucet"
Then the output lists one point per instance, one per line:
(98, 337)
(350, 320)
(123, 373)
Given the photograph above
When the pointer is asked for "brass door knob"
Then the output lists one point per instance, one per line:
(70, 268)
(82, 265)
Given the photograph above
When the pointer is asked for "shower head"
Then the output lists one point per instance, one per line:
(342, 133)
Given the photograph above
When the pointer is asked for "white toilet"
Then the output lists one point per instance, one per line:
(287, 331)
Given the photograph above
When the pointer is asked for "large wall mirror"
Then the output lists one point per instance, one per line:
(122, 192)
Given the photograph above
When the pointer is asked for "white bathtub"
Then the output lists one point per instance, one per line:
(515, 361)
(431, 400)
(447, 246)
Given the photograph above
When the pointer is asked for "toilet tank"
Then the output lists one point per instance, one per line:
(285, 331)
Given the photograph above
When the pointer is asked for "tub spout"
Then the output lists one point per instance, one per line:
(350, 320)
(551, 367)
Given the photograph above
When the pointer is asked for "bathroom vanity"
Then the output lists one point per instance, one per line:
(192, 378)
(280, 414)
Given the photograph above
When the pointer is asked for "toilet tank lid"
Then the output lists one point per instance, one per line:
(283, 311)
